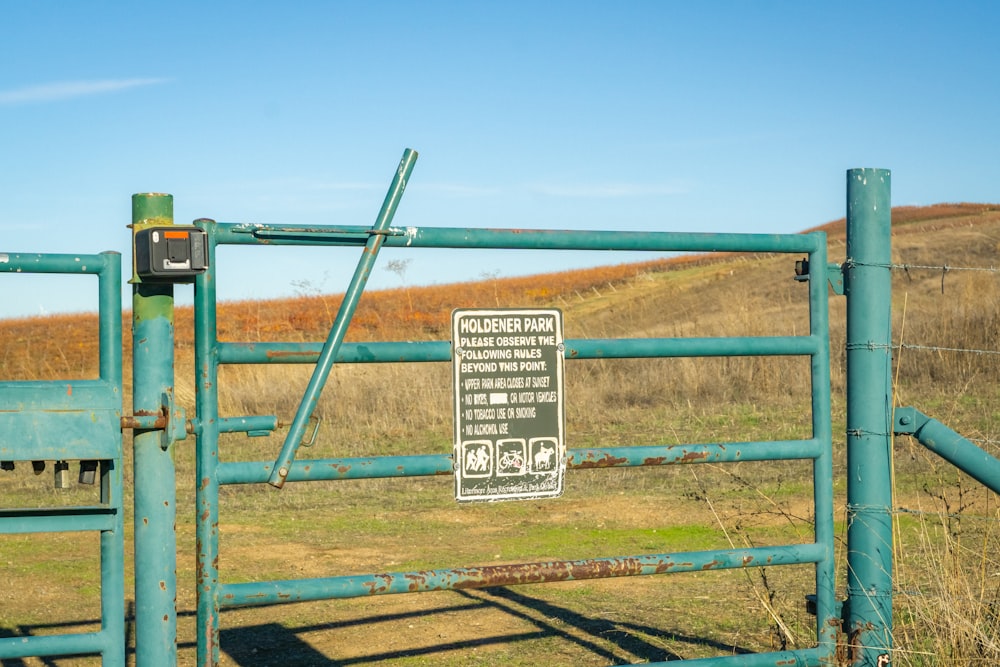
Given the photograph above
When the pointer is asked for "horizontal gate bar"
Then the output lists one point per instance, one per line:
(588, 348)
(532, 239)
(350, 586)
(58, 263)
(809, 657)
(87, 643)
(248, 424)
(57, 519)
(20, 395)
(257, 472)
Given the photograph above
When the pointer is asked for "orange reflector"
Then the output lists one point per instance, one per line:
(175, 235)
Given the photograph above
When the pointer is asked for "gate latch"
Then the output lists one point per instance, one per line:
(170, 254)
(834, 275)
(171, 422)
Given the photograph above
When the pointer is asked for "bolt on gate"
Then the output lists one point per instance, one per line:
(215, 595)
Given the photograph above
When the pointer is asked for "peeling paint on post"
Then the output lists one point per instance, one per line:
(155, 494)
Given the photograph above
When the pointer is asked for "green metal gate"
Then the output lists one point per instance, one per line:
(73, 420)
(214, 594)
(81, 420)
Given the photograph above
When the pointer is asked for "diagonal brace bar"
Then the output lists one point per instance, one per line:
(949, 445)
(344, 314)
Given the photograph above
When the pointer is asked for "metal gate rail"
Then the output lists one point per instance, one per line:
(74, 420)
(214, 595)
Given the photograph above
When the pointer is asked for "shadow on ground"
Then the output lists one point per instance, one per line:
(614, 643)
(288, 645)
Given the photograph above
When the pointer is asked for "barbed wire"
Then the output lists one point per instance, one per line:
(945, 515)
(905, 268)
(849, 262)
(913, 346)
(938, 348)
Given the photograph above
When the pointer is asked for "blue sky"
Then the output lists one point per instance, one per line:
(709, 116)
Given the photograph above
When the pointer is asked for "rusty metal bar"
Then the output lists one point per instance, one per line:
(350, 586)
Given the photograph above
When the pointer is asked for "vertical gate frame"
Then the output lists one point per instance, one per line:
(74, 420)
(211, 473)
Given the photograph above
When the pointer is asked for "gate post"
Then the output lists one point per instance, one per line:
(869, 417)
(154, 473)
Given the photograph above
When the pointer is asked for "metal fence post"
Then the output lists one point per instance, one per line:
(869, 417)
(154, 473)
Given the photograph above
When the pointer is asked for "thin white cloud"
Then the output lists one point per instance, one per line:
(66, 90)
(344, 186)
(609, 190)
(457, 189)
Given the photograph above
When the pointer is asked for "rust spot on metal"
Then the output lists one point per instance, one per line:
(606, 461)
(747, 560)
(711, 565)
(693, 456)
(417, 580)
(381, 584)
(654, 461)
(281, 354)
(163, 585)
(530, 573)
(665, 567)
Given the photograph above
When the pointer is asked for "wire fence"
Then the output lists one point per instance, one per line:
(947, 527)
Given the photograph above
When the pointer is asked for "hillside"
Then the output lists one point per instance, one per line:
(679, 296)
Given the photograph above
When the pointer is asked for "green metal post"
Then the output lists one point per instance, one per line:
(112, 541)
(207, 434)
(869, 417)
(154, 474)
